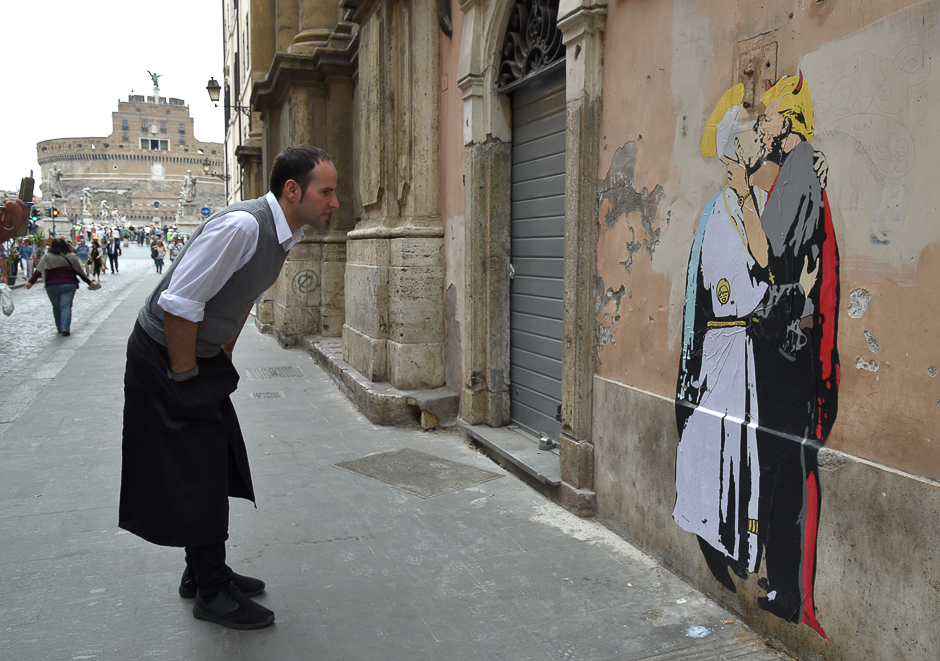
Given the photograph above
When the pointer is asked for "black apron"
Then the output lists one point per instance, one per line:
(184, 453)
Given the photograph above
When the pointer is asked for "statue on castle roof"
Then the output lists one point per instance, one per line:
(155, 77)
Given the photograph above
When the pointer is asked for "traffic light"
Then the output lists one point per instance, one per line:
(55, 212)
(34, 213)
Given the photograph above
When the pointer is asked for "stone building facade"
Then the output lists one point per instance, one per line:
(530, 243)
(138, 169)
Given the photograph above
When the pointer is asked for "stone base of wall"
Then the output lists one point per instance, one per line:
(394, 324)
(876, 594)
(382, 403)
(308, 297)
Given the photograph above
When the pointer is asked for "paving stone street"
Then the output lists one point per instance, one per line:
(33, 352)
(376, 543)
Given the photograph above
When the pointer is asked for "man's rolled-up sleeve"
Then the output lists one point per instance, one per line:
(224, 246)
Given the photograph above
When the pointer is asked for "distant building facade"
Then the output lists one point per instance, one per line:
(139, 169)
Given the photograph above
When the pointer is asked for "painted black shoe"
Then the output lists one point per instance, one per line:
(786, 607)
(230, 608)
(250, 587)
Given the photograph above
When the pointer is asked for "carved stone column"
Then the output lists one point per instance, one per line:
(484, 396)
(582, 26)
(394, 326)
(307, 99)
(316, 21)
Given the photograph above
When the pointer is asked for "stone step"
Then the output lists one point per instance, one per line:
(519, 449)
(381, 402)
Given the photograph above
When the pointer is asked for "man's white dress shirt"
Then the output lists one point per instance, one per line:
(225, 245)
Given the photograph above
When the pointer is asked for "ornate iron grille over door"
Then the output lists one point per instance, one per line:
(532, 43)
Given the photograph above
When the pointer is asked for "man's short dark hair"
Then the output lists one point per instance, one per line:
(296, 163)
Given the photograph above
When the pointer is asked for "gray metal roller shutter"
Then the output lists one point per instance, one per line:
(538, 250)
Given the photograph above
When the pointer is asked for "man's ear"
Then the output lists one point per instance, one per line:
(291, 190)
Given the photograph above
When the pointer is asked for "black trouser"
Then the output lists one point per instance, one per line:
(114, 262)
(207, 565)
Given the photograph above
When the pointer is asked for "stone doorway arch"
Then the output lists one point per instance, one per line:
(487, 147)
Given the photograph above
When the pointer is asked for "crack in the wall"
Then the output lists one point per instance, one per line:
(633, 247)
(602, 331)
(653, 239)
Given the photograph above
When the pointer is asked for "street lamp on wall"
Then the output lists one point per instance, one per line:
(207, 164)
(214, 89)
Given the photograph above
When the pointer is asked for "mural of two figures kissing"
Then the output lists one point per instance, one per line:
(758, 380)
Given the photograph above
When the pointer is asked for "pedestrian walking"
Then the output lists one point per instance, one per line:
(59, 268)
(27, 253)
(175, 248)
(97, 259)
(81, 251)
(158, 253)
(113, 251)
(183, 450)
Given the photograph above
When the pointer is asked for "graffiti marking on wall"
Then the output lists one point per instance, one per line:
(305, 282)
(854, 107)
(758, 380)
(874, 101)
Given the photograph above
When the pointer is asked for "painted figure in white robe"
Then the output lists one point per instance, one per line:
(717, 470)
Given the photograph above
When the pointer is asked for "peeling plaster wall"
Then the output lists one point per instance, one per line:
(453, 199)
(653, 184)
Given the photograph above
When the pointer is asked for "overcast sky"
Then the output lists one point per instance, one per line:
(67, 63)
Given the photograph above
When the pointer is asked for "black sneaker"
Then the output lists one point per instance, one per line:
(232, 609)
(250, 587)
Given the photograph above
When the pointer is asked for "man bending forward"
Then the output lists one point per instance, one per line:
(184, 454)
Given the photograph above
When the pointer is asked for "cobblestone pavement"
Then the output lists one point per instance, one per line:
(32, 352)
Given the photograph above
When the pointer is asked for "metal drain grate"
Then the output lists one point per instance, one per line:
(272, 372)
(267, 395)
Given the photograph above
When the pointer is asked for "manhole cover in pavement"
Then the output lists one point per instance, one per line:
(272, 372)
(267, 395)
(416, 472)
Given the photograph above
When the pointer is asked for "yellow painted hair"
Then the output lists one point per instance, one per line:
(729, 99)
(795, 104)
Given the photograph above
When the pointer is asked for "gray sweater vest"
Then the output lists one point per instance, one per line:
(225, 311)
